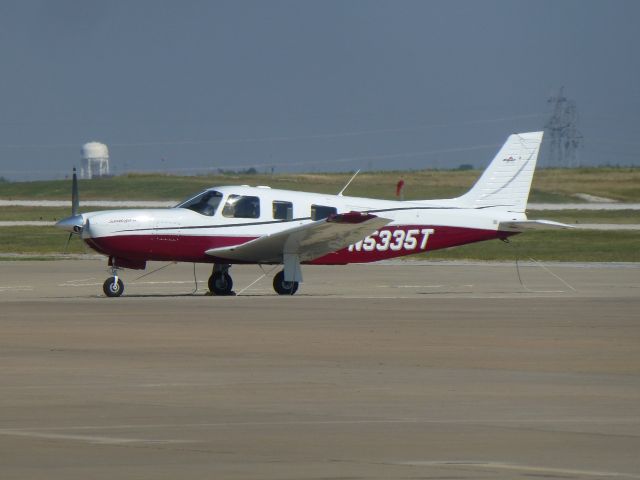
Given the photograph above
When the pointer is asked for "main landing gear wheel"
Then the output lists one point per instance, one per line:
(220, 283)
(283, 287)
(113, 287)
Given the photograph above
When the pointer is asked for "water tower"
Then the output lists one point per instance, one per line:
(95, 160)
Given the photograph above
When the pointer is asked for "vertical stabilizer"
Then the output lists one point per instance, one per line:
(507, 180)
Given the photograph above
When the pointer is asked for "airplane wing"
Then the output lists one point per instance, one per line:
(521, 226)
(308, 241)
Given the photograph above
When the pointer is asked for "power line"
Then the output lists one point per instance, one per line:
(289, 138)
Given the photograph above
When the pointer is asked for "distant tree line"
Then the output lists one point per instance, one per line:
(246, 171)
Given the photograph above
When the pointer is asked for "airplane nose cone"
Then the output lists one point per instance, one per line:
(73, 224)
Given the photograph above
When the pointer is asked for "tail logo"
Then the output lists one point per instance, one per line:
(510, 159)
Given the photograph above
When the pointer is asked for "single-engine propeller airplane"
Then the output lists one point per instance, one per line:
(259, 225)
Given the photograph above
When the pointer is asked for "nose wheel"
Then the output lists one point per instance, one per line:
(283, 287)
(113, 287)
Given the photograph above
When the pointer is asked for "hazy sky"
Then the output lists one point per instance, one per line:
(186, 86)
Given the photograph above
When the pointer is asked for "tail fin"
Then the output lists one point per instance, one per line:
(507, 180)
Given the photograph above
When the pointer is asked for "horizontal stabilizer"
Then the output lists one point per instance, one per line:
(521, 226)
(308, 241)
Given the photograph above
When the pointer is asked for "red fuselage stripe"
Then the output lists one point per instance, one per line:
(397, 241)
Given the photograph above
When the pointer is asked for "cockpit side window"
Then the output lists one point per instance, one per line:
(241, 206)
(205, 204)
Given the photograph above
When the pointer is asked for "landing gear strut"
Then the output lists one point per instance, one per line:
(220, 282)
(113, 286)
(283, 287)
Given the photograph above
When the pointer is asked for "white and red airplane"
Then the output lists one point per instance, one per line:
(260, 225)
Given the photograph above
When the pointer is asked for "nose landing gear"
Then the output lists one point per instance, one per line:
(113, 286)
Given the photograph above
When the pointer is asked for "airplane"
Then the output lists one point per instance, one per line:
(229, 225)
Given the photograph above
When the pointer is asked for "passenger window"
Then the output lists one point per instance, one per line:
(206, 203)
(242, 206)
(318, 212)
(282, 210)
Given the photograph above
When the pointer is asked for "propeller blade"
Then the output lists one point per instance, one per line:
(75, 198)
(75, 223)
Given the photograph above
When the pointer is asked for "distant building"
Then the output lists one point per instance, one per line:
(95, 160)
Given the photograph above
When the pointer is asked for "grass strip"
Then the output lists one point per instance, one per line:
(576, 217)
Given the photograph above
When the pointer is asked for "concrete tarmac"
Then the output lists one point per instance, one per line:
(419, 370)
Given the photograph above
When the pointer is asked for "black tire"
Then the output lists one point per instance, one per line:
(220, 283)
(111, 288)
(282, 287)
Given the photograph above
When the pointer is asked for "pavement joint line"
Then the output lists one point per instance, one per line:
(96, 439)
(485, 422)
(516, 467)
(16, 287)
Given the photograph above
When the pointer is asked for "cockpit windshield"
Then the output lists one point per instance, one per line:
(205, 203)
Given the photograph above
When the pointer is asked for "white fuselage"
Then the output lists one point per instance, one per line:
(184, 234)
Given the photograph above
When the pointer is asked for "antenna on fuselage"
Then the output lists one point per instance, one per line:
(348, 183)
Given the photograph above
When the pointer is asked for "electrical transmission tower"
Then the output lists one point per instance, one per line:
(562, 132)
